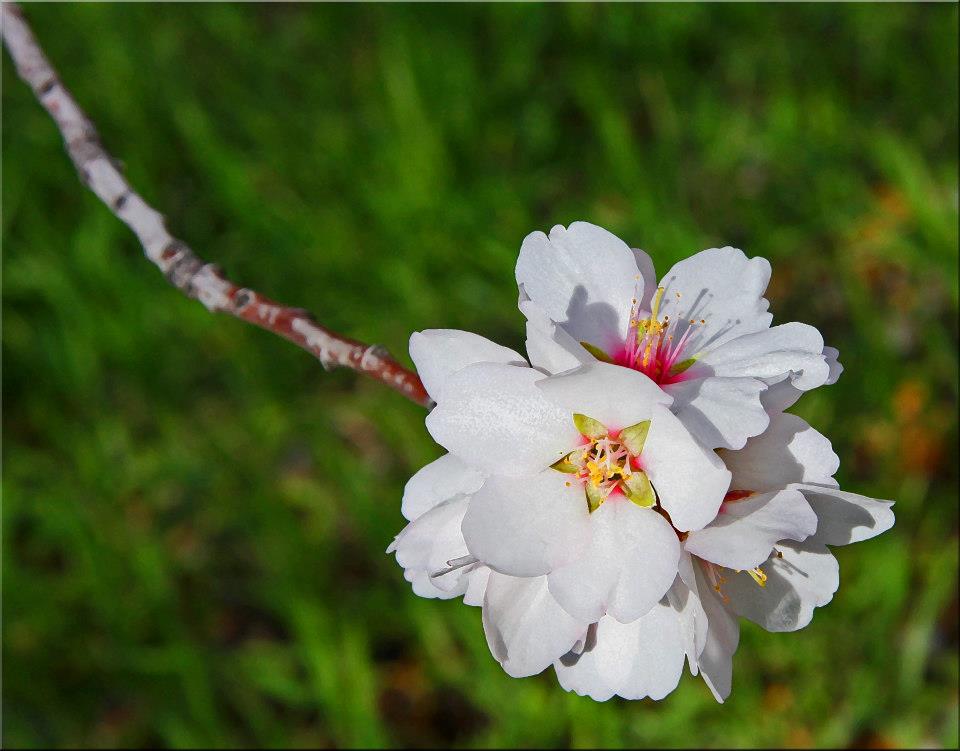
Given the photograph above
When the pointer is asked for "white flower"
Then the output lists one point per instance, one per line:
(562, 495)
(703, 335)
(764, 557)
(613, 521)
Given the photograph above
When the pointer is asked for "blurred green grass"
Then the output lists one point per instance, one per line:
(195, 512)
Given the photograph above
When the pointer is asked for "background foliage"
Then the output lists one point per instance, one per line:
(195, 513)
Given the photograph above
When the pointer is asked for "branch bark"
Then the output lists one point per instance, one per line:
(183, 268)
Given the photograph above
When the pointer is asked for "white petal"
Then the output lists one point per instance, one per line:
(439, 352)
(789, 451)
(783, 394)
(832, 355)
(803, 579)
(745, 531)
(437, 482)
(426, 545)
(494, 418)
(618, 397)
(716, 667)
(691, 618)
(791, 349)
(723, 637)
(529, 526)
(584, 278)
(780, 396)
(470, 582)
(422, 586)
(578, 672)
(649, 276)
(722, 287)
(690, 480)
(456, 575)
(477, 586)
(526, 629)
(634, 660)
(549, 347)
(846, 517)
(643, 658)
(720, 412)
(723, 622)
(651, 647)
(628, 567)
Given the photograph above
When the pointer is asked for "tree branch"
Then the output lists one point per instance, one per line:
(180, 265)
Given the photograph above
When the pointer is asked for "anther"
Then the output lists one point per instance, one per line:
(758, 576)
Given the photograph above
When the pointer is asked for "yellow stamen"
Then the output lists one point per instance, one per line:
(758, 576)
(651, 327)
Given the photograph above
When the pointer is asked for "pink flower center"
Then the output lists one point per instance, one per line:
(653, 346)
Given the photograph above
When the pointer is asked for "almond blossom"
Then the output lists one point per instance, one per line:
(560, 495)
(764, 557)
(703, 334)
(619, 502)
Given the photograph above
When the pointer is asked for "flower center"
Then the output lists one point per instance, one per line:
(603, 463)
(653, 345)
(609, 462)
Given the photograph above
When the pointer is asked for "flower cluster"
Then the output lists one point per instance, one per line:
(618, 500)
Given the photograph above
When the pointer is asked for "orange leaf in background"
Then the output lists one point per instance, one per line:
(920, 435)
(909, 400)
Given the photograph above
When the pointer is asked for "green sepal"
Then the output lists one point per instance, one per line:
(597, 352)
(682, 366)
(635, 436)
(638, 489)
(566, 465)
(589, 427)
(595, 496)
